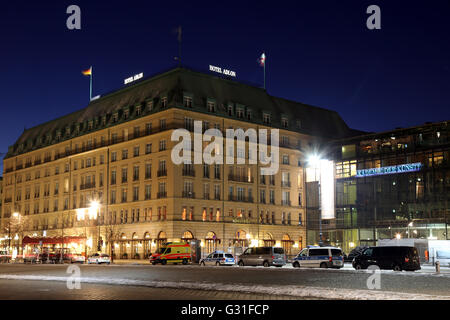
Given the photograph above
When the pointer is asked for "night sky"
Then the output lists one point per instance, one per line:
(318, 52)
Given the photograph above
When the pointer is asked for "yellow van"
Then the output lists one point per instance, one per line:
(172, 252)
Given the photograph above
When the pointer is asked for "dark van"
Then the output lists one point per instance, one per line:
(395, 258)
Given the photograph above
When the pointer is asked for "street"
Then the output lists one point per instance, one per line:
(21, 281)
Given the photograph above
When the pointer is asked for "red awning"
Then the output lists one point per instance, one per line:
(52, 240)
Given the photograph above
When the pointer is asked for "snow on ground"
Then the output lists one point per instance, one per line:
(290, 290)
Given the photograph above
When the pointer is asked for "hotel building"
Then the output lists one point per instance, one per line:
(116, 153)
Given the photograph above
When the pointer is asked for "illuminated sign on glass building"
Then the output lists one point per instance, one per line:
(409, 167)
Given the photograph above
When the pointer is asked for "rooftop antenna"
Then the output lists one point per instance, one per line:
(178, 31)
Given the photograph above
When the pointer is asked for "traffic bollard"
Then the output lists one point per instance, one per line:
(438, 267)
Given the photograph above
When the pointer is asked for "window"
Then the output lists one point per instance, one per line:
(148, 148)
(162, 145)
(148, 192)
(124, 175)
(285, 159)
(113, 156)
(136, 151)
(266, 118)
(135, 193)
(211, 106)
(230, 110)
(124, 154)
(113, 176)
(163, 102)
(187, 101)
(162, 124)
(240, 113)
(189, 124)
(148, 171)
(149, 105)
(284, 123)
(135, 173)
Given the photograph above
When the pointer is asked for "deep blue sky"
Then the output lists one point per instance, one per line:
(318, 52)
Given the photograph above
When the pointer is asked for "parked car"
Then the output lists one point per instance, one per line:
(78, 258)
(218, 258)
(32, 258)
(262, 256)
(99, 258)
(354, 253)
(389, 257)
(319, 257)
(5, 257)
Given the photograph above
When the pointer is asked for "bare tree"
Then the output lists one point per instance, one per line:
(112, 233)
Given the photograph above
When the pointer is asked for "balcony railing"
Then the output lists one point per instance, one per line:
(161, 195)
(285, 202)
(188, 194)
(87, 186)
(238, 178)
(240, 198)
(162, 173)
(189, 172)
(286, 184)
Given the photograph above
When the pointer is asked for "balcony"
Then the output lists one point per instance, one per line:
(87, 186)
(237, 178)
(162, 173)
(286, 184)
(240, 198)
(161, 195)
(285, 202)
(188, 194)
(188, 172)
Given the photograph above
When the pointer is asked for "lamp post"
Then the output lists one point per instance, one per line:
(18, 217)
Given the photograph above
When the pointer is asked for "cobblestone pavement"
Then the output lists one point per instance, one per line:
(277, 278)
(55, 290)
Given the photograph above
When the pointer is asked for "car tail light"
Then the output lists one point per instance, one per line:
(406, 259)
(330, 259)
(273, 257)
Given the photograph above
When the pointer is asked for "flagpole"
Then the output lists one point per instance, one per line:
(264, 74)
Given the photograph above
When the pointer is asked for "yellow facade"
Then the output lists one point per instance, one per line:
(145, 199)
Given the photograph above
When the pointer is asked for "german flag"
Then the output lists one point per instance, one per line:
(87, 72)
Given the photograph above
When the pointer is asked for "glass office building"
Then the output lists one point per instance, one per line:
(389, 185)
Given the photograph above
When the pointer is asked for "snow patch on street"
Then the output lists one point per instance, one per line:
(284, 290)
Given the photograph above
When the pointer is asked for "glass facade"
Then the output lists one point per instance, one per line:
(413, 203)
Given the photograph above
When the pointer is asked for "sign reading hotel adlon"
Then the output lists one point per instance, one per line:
(222, 71)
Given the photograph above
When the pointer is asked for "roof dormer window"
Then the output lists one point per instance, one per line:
(266, 118)
(211, 106)
(187, 101)
(284, 122)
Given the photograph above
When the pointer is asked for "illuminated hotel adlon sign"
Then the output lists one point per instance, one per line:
(402, 168)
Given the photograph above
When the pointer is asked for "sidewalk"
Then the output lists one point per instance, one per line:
(131, 261)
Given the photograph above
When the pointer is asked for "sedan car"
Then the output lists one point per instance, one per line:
(77, 258)
(99, 258)
(218, 258)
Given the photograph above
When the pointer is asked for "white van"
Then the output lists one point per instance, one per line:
(319, 257)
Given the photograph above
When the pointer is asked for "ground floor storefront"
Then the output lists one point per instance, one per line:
(140, 240)
(347, 239)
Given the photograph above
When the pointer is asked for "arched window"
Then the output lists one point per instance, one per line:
(268, 240)
(187, 236)
(286, 243)
(211, 242)
(147, 245)
(162, 238)
(240, 239)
